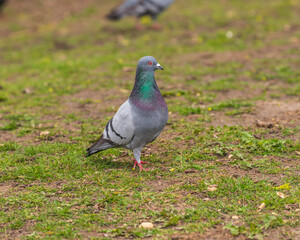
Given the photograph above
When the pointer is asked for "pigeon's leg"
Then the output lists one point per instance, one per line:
(155, 25)
(139, 26)
(135, 163)
(137, 155)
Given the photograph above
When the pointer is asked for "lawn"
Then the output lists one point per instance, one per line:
(225, 167)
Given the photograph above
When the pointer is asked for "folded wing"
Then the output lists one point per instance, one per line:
(118, 132)
(119, 129)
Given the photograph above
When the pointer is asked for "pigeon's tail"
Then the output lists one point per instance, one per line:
(100, 145)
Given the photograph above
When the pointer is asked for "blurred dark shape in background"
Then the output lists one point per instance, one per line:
(2, 3)
(139, 8)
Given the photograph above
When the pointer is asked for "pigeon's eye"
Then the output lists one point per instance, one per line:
(150, 63)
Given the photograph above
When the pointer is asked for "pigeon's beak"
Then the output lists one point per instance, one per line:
(158, 66)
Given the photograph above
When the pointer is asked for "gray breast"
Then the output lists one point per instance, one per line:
(148, 125)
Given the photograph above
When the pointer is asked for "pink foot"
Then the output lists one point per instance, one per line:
(137, 163)
(140, 165)
(141, 168)
(157, 27)
(139, 27)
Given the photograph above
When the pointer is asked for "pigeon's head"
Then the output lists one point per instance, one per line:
(149, 63)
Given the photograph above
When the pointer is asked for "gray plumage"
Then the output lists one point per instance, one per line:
(139, 8)
(140, 119)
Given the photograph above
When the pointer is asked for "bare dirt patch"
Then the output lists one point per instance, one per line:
(279, 112)
(254, 174)
(244, 57)
(6, 187)
(215, 233)
(18, 233)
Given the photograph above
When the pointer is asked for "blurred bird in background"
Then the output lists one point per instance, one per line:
(140, 8)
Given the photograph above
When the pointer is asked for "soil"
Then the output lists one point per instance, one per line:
(276, 112)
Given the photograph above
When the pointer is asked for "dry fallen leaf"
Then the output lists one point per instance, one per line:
(123, 90)
(128, 69)
(28, 91)
(212, 188)
(261, 206)
(96, 206)
(147, 225)
(235, 217)
(280, 194)
(44, 133)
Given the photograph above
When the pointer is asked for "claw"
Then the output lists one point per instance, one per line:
(141, 168)
(135, 163)
(140, 165)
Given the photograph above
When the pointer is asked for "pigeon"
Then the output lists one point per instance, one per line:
(139, 8)
(140, 119)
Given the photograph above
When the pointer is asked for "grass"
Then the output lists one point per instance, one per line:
(211, 168)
